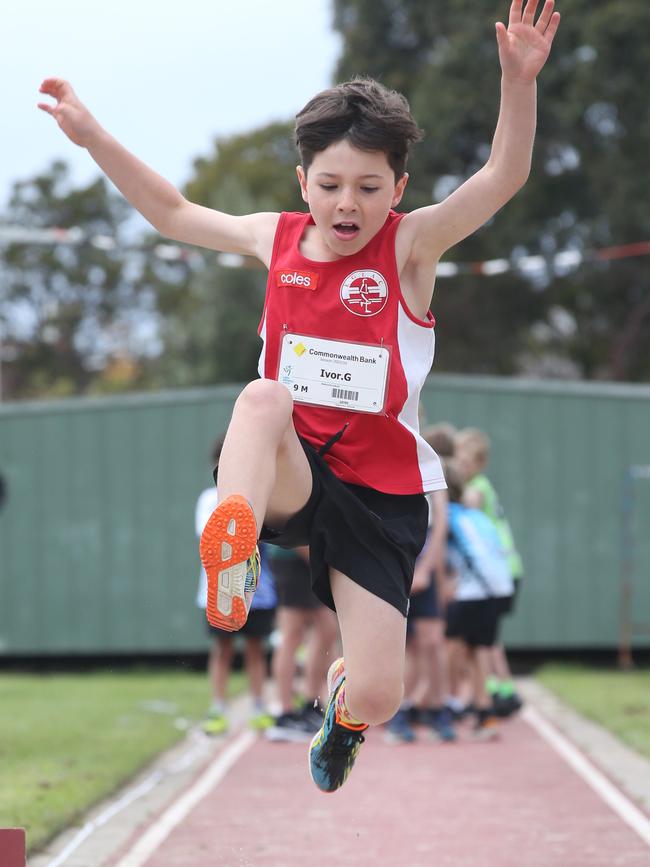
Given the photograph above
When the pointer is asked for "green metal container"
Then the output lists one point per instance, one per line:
(97, 545)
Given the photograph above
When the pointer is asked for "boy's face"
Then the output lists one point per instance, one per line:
(467, 462)
(349, 193)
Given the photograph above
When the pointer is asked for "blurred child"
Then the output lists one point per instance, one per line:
(483, 578)
(255, 633)
(473, 451)
(426, 680)
(301, 617)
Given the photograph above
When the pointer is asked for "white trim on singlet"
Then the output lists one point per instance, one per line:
(261, 363)
(416, 348)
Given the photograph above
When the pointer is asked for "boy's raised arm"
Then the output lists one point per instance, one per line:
(156, 199)
(524, 47)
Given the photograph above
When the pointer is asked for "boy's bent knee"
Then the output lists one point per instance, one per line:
(374, 705)
(266, 399)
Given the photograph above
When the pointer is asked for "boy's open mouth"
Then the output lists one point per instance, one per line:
(346, 230)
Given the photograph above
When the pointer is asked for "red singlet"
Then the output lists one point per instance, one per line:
(340, 337)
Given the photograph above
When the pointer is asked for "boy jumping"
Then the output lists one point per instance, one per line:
(324, 449)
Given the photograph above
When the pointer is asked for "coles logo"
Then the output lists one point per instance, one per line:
(364, 293)
(304, 279)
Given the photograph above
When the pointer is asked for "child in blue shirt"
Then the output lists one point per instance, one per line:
(483, 578)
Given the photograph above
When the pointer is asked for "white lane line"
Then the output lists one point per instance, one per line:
(90, 827)
(597, 781)
(151, 782)
(160, 830)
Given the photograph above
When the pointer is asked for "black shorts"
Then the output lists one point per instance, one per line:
(425, 603)
(474, 621)
(508, 603)
(293, 584)
(371, 537)
(259, 624)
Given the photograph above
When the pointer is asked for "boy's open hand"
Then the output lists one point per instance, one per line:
(69, 112)
(525, 45)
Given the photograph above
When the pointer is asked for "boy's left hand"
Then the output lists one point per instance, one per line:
(525, 45)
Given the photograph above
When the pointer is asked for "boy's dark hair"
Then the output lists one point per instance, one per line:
(441, 439)
(454, 479)
(215, 451)
(215, 454)
(365, 113)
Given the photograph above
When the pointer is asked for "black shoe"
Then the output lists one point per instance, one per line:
(440, 721)
(413, 715)
(458, 714)
(506, 706)
(313, 714)
(292, 727)
(398, 729)
(486, 727)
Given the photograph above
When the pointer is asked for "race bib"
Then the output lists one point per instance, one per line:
(334, 373)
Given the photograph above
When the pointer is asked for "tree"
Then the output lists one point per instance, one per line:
(65, 308)
(136, 312)
(585, 190)
(248, 172)
(208, 326)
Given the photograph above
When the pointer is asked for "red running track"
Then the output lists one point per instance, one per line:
(512, 803)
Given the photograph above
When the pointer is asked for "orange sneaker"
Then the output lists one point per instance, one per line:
(487, 727)
(231, 560)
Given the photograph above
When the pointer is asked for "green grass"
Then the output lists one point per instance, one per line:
(67, 741)
(618, 700)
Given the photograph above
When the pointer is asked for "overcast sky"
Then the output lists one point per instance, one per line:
(164, 77)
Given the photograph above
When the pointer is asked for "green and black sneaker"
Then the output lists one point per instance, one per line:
(336, 745)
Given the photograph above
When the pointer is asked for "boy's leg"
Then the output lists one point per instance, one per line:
(324, 633)
(499, 663)
(399, 729)
(440, 664)
(219, 662)
(456, 665)
(262, 458)
(480, 671)
(255, 661)
(366, 686)
(411, 676)
(486, 724)
(263, 475)
(428, 636)
(437, 659)
(292, 623)
(373, 633)
(291, 724)
(255, 664)
(501, 686)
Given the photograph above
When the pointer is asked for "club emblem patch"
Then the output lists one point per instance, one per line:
(364, 293)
